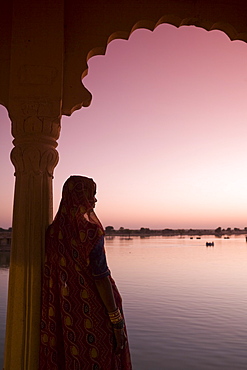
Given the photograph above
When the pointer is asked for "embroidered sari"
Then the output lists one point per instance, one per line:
(76, 333)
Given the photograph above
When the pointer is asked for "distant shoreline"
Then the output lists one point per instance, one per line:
(109, 231)
(5, 235)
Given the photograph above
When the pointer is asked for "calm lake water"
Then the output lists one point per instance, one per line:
(4, 275)
(185, 303)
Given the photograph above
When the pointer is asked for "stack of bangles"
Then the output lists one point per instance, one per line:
(116, 319)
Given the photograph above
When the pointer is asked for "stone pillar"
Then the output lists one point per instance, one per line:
(34, 157)
(34, 100)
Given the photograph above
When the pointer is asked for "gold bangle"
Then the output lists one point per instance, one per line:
(113, 313)
(115, 316)
(115, 321)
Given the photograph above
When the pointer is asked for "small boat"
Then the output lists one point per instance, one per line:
(209, 244)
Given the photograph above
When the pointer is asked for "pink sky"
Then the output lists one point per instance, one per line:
(165, 137)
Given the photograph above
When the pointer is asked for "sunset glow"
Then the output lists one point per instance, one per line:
(164, 137)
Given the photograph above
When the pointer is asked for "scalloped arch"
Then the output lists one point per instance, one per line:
(174, 20)
(225, 15)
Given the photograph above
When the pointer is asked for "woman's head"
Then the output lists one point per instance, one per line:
(79, 192)
(75, 222)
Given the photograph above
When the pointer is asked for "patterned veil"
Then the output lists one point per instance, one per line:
(75, 217)
(76, 332)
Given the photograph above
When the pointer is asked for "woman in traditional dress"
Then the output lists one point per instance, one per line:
(82, 324)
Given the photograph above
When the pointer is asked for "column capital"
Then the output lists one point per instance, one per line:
(34, 117)
(35, 134)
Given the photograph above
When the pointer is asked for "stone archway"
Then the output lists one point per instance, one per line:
(120, 20)
(44, 51)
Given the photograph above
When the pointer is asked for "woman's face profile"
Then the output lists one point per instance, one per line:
(79, 191)
(92, 202)
(91, 196)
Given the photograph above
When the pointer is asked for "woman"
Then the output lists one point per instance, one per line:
(82, 326)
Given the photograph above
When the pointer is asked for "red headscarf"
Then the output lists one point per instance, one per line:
(76, 332)
(76, 223)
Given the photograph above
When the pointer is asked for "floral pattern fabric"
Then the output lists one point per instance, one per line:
(76, 333)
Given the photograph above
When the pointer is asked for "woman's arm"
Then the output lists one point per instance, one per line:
(106, 293)
(101, 274)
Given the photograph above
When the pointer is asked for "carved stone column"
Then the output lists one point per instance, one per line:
(34, 157)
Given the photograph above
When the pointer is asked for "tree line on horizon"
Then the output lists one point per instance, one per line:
(110, 231)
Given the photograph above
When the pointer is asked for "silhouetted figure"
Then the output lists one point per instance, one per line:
(82, 323)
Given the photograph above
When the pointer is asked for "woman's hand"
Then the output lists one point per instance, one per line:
(121, 338)
(104, 287)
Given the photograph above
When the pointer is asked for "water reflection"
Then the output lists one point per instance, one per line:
(4, 274)
(4, 259)
(185, 303)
